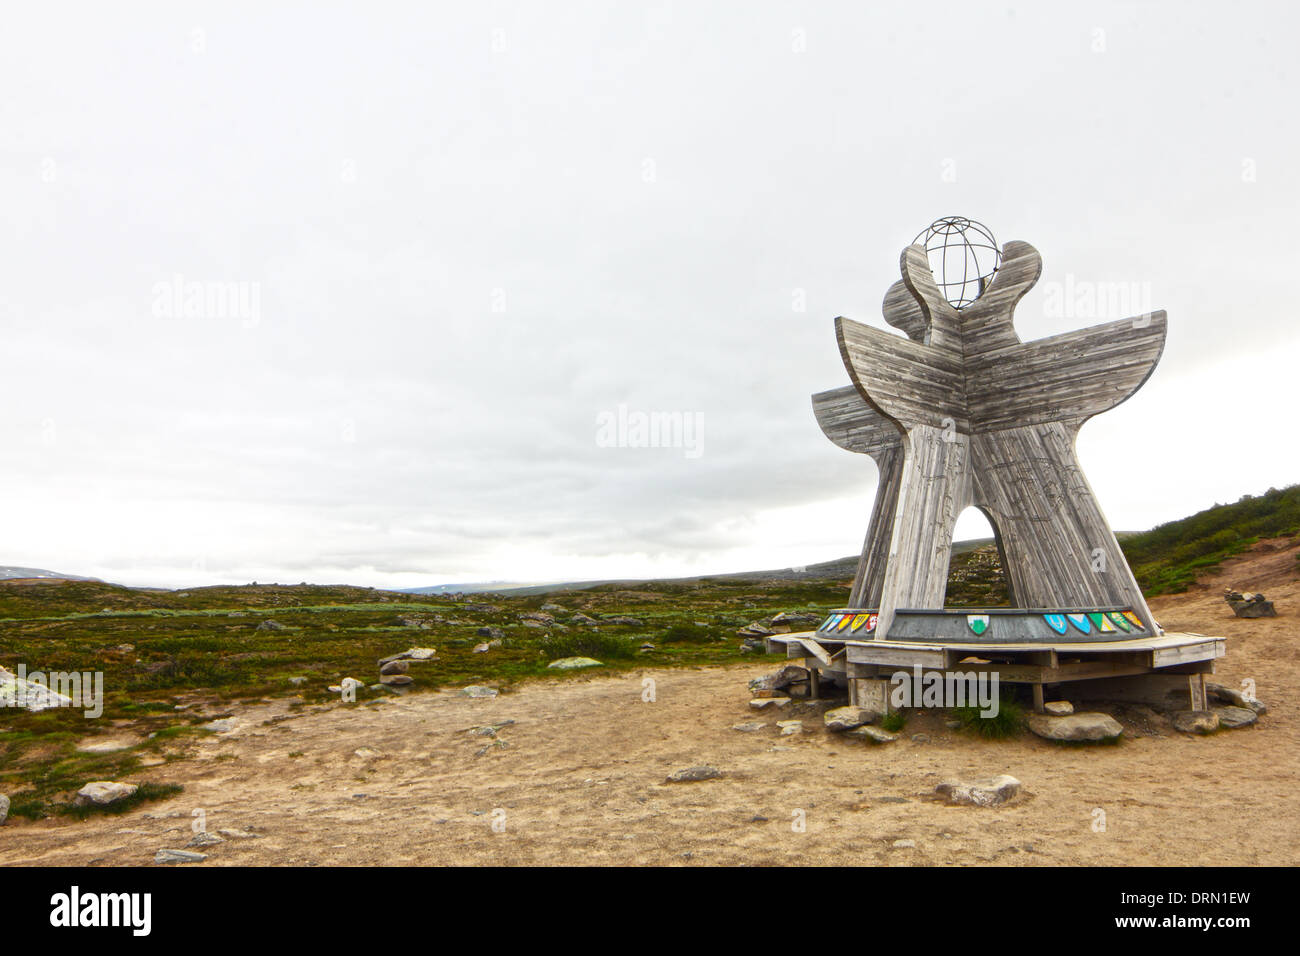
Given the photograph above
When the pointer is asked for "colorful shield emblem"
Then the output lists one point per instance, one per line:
(1119, 621)
(1101, 622)
(1080, 621)
(1134, 620)
(871, 622)
(858, 621)
(1056, 622)
(978, 623)
(828, 623)
(844, 622)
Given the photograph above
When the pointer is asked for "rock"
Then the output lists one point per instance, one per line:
(101, 793)
(1248, 605)
(234, 833)
(1236, 698)
(394, 667)
(790, 727)
(582, 620)
(348, 683)
(104, 746)
(490, 730)
(482, 648)
(421, 653)
(873, 734)
(367, 753)
(297, 681)
(693, 774)
(34, 698)
(646, 647)
(482, 608)
(920, 738)
(223, 726)
(795, 620)
(269, 625)
(538, 616)
(554, 609)
(752, 644)
(846, 718)
(755, 629)
(4, 808)
(778, 680)
(491, 633)
(980, 793)
(1075, 727)
(623, 620)
(1234, 717)
(178, 856)
(1058, 708)
(478, 691)
(903, 845)
(750, 727)
(762, 703)
(573, 663)
(205, 839)
(1196, 721)
(952, 724)
(396, 680)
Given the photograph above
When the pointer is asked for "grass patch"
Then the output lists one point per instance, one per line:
(1007, 722)
(595, 644)
(894, 721)
(145, 793)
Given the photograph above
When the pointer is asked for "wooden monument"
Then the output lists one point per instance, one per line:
(956, 412)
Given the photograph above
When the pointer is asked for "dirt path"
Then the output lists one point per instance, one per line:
(581, 777)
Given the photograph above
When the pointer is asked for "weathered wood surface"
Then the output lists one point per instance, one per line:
(982, 419)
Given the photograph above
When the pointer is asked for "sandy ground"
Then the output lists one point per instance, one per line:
(581, 778)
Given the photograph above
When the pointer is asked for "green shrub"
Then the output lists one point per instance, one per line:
(595, 644)
(686, 634)
(1007, 722)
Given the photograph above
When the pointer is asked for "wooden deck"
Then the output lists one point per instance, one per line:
(1185, 657)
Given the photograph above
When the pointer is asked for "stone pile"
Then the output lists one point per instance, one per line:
(1248, 604)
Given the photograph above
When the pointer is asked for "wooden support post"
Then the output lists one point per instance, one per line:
(814, 681)
(1196, 689)
(1038, 698)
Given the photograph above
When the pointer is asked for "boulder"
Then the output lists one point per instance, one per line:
(873, 735)
(205, 839)
(750, 726)
(628, 621)
(573, 663)
(1058, 708)
(762, 703)
(396, 680)
(755, 629)
(223, 726)
(846, 718)
(478, 691)
(1075, 727)
(491, 633)
(1196, 721)
(541, 617)
(1236, 698)
(778, 680)
(795, 620)
(694, 774)
(790, 727)
(101, 793)
(989, 792)
(34, 698)
(269, 625)
(582, 620)
(554, 609)
(394, 667)
(1234, 717)
(178, 856)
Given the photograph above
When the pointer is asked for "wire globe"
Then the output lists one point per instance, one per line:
(963, 257)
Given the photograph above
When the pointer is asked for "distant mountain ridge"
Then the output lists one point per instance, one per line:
(11, 572)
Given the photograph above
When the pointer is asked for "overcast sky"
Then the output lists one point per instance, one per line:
(460, 234)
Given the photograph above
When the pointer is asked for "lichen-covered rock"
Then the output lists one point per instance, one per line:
(980, 793)
(1058, 708)
(780, 679)
(574, 663)
(874, 735)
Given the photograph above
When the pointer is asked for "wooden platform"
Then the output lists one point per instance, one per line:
(1170, 655)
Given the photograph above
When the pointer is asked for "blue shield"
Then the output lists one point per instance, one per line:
(1056, 622)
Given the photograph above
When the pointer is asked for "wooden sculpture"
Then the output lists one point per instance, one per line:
(960, 412)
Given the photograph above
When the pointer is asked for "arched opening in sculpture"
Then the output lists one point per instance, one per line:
(976, 572)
